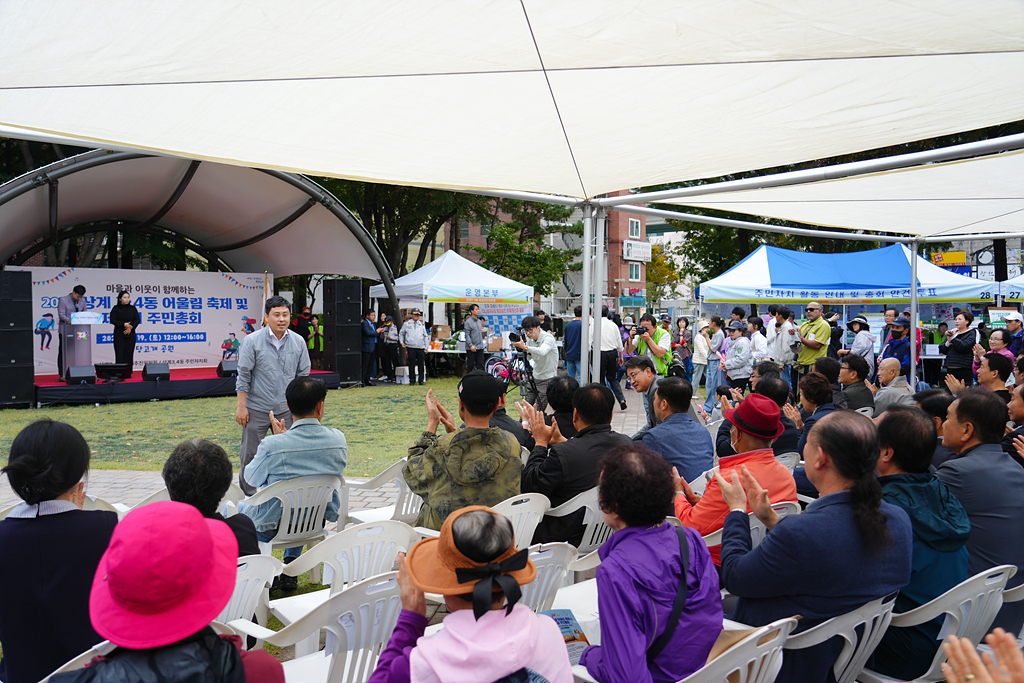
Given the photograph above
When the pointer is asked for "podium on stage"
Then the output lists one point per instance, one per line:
(76, 340)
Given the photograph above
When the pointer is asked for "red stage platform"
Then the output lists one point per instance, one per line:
(184, 383)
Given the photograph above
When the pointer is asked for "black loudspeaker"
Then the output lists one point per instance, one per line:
(343, 303)
(81, 374)
(227, 368)
(152, 372)
(17, 366)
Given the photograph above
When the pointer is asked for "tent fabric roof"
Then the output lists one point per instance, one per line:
(222, 205)
(980, 195)
(454, 278)
(1012, 290)
(569, 98)
(771, 274)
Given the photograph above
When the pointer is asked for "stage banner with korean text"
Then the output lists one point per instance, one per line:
(189, 318)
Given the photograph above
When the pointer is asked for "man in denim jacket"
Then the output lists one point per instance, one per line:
(304, 449)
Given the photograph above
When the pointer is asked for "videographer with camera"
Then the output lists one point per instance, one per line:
(541, 345)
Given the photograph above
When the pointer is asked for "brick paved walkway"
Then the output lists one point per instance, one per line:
(129, 487)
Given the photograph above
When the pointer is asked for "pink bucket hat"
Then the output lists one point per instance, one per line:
(167, 573)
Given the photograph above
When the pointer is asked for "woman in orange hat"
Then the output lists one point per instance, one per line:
(488, 636)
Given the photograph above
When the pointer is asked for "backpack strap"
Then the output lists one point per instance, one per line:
(677, 607)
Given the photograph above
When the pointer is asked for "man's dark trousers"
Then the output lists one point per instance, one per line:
(475, 359)
(417, 359)
(609, 370)
(367, 367)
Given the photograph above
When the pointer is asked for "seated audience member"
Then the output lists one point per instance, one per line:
(853, 370)
(562, 469)
(848, 548)
(898, 346)
(50, 549)
(755, 424)
(993, 372)
(198, 472)
(677, 438)
(561, 391)
(167, 574)
(777, 389)
(997, 343)
(478, 465)
(305, 449)
(502, 420)
(1016, 413)
(940, 530)
(989, 484)
(893, 387)
(644, 564)
(488, 635)
(643, 376)
(935, 402)
(829, 367)
(816, 400)
(723, 392)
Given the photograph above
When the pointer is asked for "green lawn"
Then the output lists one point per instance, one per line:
(380, 424)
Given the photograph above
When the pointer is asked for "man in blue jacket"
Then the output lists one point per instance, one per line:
(899, 344)
(369, 345)
(685, 444)
(907, 437)
(571, 341)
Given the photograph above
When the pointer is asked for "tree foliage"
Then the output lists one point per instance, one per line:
(516, 246)
(663, 275)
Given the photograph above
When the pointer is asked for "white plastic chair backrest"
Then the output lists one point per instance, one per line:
(407, 507)
(304, 503)
(525, 454)
(970, 608)
(755, 659)
(94, 503)
(552, 561)
(79, 662)
(364, 550)
(595, 532)
(713, 427)
(229, 503)
(526, 512)
(866, 411)
(585, 562)
(860, 630)
(222, 629)
(255, 572)
(790, 459)
(758, 531)
(156, 496)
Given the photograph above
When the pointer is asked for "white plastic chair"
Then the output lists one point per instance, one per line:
(969, 609)
(355, 554)
(94, 503)
(790, 459)
(79, 662)
(406, 507)
(866, 411)
(872, 619)
(229, 503)
(154, 497)
(252, 589)
(304, 503)
(755, 659)
(713, 428)
(596, 532)
(758, 531)
(359, 620)
(525, 454)
(525, 512)
(552, 561)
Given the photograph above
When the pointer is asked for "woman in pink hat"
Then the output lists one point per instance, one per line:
(50, 549)
(167, 574)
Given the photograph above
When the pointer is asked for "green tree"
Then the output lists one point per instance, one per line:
(662, 275)
(516, 245)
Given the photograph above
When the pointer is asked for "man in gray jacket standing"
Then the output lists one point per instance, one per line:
(268, 361)
(476, 350)
(414, 339)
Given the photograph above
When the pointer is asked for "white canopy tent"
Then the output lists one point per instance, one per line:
(455, 279)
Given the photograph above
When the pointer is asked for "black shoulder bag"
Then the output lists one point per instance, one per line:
(677, 608)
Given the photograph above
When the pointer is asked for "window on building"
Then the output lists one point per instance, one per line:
(634, 229)
(485, 230)
(634, 272)
(463, 230)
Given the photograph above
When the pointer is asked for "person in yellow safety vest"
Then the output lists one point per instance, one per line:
(650, 340)
(316, 343)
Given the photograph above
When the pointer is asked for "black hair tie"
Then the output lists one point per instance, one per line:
(490, 573)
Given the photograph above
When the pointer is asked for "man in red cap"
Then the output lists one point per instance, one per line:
(755, 424)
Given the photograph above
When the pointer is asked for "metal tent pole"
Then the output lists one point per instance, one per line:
(588, 234)
(913, 316)
(600, 225)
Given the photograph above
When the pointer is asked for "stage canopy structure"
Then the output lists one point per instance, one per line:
(774, 275)
(456, 279)
(243, 219)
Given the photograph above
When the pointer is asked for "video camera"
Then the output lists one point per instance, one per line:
(517, 335)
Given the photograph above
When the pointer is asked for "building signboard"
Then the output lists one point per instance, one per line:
(633, 250)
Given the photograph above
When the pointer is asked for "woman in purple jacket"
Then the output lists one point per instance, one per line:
(640, 574)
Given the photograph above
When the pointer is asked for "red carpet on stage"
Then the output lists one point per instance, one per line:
(184, 383)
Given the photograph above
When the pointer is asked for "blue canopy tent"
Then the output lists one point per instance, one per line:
(771, 274)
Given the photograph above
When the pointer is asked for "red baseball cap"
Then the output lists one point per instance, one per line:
(167, 573)
(758, 416)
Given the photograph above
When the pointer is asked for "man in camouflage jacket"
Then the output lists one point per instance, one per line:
(476, 465)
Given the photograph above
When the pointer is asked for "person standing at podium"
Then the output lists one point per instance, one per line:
(125, 318)
(66, 305)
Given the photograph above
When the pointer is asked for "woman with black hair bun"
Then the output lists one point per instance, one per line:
(848, 548)
(50, 549)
